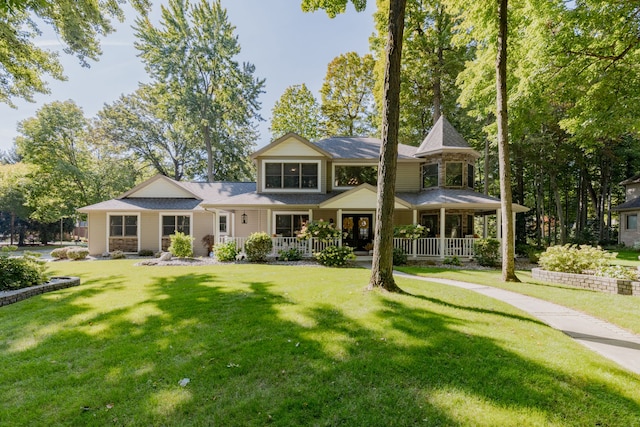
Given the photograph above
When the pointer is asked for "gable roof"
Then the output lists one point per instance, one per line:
(364, 196)
(443, 137)
(360, 148)
(159, 186)
(288, 138)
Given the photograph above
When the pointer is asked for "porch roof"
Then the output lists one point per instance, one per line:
(631, 205)
(455, 199)
(142, 204)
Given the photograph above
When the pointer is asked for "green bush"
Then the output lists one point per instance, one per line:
(117, 255)
(574, 259)
(320, 230)
(291, 254)
(145, 252)
(399, 256)
(18, 273)
(258, 246)
(410, 231)
(617, 272)
(454, 260)
(335, 256)
(181, 245)
(77, 253)
(59, 253)
(226, 252)
(487, 252)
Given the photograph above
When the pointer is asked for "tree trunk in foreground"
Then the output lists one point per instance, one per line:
(382, 264)
(508, 243)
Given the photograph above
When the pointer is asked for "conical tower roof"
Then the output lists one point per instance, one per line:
(443, 137)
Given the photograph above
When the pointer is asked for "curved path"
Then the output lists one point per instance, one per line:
(609, 340)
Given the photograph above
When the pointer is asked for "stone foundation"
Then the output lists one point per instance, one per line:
(9, 297)
(586, 281)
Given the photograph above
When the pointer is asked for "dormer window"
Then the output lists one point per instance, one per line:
(430, 175)
(291, 175)
(453, 174)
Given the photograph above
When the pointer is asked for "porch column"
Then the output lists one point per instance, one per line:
(216, 227)
(414, 243)
(269, 230)
(442, 236)
(310, 214)
(339, 221)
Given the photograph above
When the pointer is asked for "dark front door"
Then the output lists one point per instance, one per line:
(358, 229)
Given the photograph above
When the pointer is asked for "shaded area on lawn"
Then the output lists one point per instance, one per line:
(256, 353)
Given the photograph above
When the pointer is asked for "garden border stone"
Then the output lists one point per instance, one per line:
(54, 284)
(587, 281)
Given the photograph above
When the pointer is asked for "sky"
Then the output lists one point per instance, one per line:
(287, 46)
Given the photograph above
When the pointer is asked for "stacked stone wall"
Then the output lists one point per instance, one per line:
(586, 281)
(56, 283)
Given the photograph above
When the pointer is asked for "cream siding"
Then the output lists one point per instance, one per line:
(162, 189)
(203, 223)
(408, 177)
(149, 230)
(632, 191)
(97, 233)
(402, 217)
(291, 148)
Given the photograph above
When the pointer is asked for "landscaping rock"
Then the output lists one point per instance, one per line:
(166, 256)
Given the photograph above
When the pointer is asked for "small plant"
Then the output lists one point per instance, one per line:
(335, 256)
(117, 255)
(181, 245)
(487, 252)
(399, 256)
(145, 252)
(320, 230)
(8, 248)
(59, 253)
(454, 260)
(209, 241)
(226, 252)
(77, 253)
(617, 272)
(410, 231)
(574, 259)
(258, 246)
(636, 245)
(291, 254)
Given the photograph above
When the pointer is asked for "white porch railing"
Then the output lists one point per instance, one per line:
(306, 247)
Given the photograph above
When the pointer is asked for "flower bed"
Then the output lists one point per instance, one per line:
(586, 281)
(56, 283)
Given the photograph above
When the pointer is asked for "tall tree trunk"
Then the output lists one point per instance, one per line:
(559, 213)
(12, 227)
(206, 133)
(508, 243)
(382, 264)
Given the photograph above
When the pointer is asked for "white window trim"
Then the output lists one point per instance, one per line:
(174, 214)
(123, 214)
(263, 174)
(228, 217)
(274, 213)
(333, 173)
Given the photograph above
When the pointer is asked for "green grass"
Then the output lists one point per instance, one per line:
(291, 346)
(627, 257)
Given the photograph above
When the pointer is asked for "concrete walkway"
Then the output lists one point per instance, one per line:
(608, 340)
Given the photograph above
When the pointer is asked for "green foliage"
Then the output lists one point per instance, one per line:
(399, 256)
(574, 259)
(487, 252)
(297, 111)
(321, 230)
(291, 254)
(226, 252)
(8, 248)
(117, 255)
(410, 231)
(335, 256)
(181, 245)
(258, 246)
(617, 272)
(208, 241)
(454, 260)
(59, 253)
(21, 272)
(77, 253)
(145, 252)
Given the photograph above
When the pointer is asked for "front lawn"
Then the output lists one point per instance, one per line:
(291, 346)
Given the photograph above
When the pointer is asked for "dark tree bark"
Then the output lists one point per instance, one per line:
(382, 265)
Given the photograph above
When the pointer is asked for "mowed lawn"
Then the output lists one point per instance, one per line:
(291, 346)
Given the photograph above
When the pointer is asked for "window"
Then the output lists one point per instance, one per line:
(223, 224)
(289, 225)
(632, 222)
(178, 223)
(351, 176)
(430, 175)
(123, 225)
(291, 175)
(453, 174)
(470, 176)
(430, 222)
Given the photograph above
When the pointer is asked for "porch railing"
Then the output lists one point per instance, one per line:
(306, 247)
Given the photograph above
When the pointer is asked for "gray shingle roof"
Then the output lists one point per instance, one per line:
(441, 197)
(443, 135)
(137, 204)
(633, 204)
(343, 147)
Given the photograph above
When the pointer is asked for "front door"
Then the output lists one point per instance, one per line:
(359, 231)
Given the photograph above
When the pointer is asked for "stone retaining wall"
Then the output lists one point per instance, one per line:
(54, 284)
(586, 281)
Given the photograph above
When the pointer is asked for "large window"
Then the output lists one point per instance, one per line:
(352, 176)
(289, 224)
(175, 223)
(223, 228)
(289, 175)
(453, 174)
(632, 222)
(430, 175)
(123, 225)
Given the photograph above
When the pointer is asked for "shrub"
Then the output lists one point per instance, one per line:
(181, 245)
(59, 253)
(574, 259)
(117, 255)
(8, 248)
(617, 272)
(18, 273)
(487, 252)
(454, 260)
(208, 241)
(321, 230)
(258, 246)
(291, 254)
(335, 256)
(411, 231)
(146, 252)
(226, 252)
(399, 256)
(77, 253)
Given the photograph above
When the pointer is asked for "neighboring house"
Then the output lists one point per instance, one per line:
(297, 181)
(629, 212)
